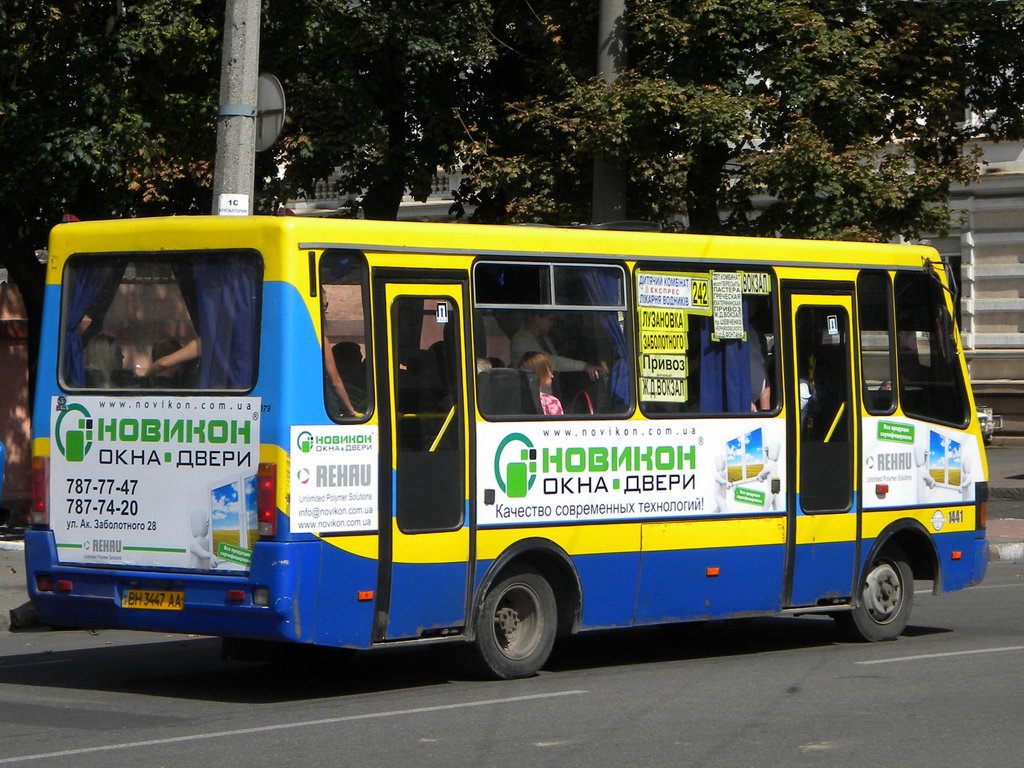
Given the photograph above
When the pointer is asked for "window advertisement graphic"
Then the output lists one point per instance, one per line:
(944, 460)
(531, 473)
(334, 479)
(155, 481)
(233, 518)
(910, 463)
(750, 466)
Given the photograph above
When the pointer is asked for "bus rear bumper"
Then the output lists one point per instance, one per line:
(259, 604)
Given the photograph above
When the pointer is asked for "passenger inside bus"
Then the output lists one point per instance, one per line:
(103, 359)
(175, 366)
(535, 335)
(539, 363)
(169, 364)
(349, 362)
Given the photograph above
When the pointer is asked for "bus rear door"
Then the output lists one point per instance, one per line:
(823, 527)
(424, 550)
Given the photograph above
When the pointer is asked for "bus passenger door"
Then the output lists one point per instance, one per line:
(424, 548)
(823, 527)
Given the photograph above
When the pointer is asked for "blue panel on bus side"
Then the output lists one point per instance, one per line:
(291, 365)
(426, 596)
(46, 384)
(675, 585)
(342, 619)
(609, 588)
(823, 571)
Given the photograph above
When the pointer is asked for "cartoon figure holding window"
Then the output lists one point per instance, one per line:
(722, 484)
(200, 554)
(925, 482)
(771, 472)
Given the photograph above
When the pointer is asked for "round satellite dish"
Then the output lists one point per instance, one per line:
(269, 111)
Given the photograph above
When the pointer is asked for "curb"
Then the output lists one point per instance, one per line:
(1016, 494)
(1011, 551)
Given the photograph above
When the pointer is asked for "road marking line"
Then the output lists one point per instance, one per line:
(995, 586)
(976, 586)
(34, 663)
(286, 726)
(943, 655)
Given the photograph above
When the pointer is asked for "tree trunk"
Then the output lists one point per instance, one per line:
(703, 184)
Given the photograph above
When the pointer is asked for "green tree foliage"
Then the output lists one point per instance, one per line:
(848, 116)
(106, 110)
(375, 87)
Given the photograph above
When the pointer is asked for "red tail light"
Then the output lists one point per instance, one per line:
(266, 498)
(40, 511)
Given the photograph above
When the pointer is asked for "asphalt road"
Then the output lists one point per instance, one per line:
(782, 692)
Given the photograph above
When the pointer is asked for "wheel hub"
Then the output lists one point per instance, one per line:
(507, 620)
(882, 593)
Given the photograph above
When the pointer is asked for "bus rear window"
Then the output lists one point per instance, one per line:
(164, 321)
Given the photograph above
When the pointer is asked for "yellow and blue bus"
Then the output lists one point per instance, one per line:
(364, 434)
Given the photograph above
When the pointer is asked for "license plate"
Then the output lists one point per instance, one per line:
(153, 599)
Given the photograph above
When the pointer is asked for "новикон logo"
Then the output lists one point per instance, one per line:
(74, 440)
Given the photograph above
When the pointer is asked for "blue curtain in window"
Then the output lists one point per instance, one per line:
(724, 373)
(603, 288)
(95, 283)
(225, 317)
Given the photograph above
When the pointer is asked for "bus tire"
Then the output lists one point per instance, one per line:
(885, 601)
(515, 630)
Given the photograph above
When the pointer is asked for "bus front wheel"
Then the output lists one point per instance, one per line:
(887, 595)
(515, 631)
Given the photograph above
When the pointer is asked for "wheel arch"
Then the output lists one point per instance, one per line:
(911, 537)
(553, 563)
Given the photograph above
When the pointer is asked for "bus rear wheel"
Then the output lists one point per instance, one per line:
(515, 631)
(886, 598)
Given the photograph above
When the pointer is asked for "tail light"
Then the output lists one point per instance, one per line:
(40, 511)
(981, 499)
(266, 498)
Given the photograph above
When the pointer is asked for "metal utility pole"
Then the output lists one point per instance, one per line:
(609, 194)
(236, 122)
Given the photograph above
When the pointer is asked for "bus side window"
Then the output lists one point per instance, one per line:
(878, 363)
(574, 315)
(931, 384)
(707, 342)
(347, 383)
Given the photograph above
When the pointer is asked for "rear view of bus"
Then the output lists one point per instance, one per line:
(149, 490)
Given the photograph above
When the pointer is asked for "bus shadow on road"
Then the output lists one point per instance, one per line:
(697, 641)
(191, 668)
